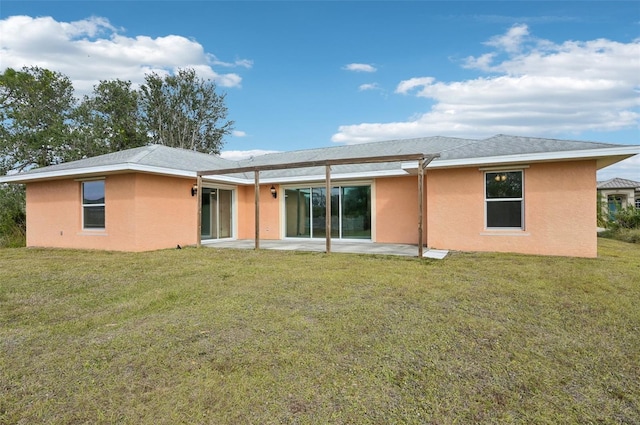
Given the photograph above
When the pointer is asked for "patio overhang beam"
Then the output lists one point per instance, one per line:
(319, 163)
(422, 158)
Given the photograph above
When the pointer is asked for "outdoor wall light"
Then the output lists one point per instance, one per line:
(500, 177)
(274, 192)
(194, 190)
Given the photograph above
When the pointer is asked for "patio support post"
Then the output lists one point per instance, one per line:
(328, 209)
(420, 206)
(257, 190)
(199, 200)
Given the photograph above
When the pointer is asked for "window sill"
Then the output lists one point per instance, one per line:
(505, 232)
(97, 232)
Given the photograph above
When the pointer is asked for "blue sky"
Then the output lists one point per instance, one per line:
(309, 74)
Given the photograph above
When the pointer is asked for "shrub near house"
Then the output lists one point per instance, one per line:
(625, 225)
(12, 216)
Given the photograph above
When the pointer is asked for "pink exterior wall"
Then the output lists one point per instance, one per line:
(396, 210)
(166, 213)
(146, 212)
(142, 212)
(269, 213)
(559, 203)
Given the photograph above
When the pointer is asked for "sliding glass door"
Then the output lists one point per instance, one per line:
(319, 212)
(298, 212)
(217, 213)
(356, 212)
(305, 212)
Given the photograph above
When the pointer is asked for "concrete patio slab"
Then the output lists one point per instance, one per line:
(319, 245)
(437, 254)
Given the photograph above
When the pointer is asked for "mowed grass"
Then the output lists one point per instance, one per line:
(243, 337)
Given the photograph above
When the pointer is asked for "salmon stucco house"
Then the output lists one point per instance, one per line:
(504, 193)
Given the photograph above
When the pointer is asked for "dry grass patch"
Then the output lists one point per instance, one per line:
(224, 336)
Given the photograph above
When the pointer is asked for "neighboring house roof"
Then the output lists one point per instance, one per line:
(618, 183)
(453, 152)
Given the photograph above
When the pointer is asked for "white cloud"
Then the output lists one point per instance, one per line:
(244, 63)
(371, 86)
(512, 40)
(238, 133)
(405, 86)
(536, 87)
(92, 49)
(360, 67)
(238, 155)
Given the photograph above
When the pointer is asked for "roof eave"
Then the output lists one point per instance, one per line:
(605, 157)
(93, 171)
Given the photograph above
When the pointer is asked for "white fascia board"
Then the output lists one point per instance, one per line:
(105, 169)
(627, 151)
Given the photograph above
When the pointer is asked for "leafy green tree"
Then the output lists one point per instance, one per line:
(35, 108)
(185, 111)
(109, 120)
(42, 123)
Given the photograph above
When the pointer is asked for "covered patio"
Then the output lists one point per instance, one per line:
(342, 246)
(318, 245)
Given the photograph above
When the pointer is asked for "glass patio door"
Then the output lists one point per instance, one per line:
(297, 202)
(319, 212)
(305, 212)
(217, 213)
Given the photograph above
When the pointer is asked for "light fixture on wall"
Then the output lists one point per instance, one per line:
(274, 192)
(194, 190)
(500, 177)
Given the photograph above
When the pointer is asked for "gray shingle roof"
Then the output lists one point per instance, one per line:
(152, 156)
(516, 145)
(618, 183)
(449, 149)
(427, 145)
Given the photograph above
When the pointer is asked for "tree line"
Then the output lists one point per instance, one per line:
(42, 123)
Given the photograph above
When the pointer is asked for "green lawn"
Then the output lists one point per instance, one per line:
(244, 337)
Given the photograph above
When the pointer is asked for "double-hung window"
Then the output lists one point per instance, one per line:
(93, 204)
(504, 199)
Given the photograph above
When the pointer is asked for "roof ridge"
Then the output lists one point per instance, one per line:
(626, 180)
(469, 142)
(141, 155)
(618, 183)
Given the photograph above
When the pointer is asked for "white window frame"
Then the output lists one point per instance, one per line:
(487, 200)
(103, 205)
